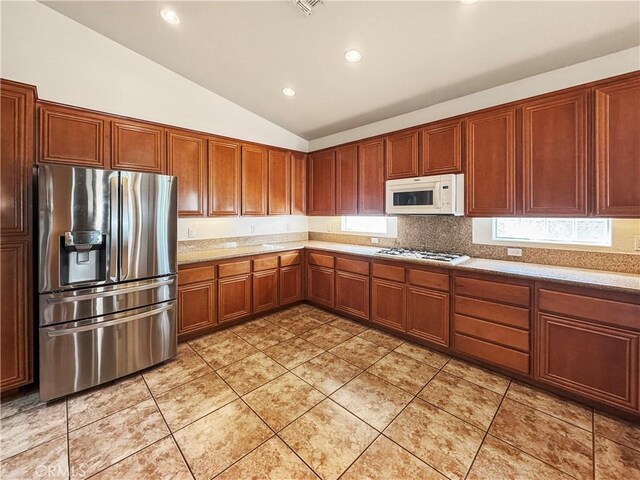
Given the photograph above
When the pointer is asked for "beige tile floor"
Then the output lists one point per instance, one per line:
(305, 394)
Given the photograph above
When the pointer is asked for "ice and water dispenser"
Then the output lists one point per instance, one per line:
(83, 257)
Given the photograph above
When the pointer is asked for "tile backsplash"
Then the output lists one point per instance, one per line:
(454, 234)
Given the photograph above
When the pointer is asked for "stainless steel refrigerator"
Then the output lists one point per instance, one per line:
(107, 244)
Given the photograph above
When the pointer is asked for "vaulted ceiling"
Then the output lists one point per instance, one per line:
(415, 54)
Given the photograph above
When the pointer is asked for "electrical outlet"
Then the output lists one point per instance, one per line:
(514, 252)
(375, 240)
(288, 227)
(191, 232)
(253, 229)
(636, 243)
(328, 227)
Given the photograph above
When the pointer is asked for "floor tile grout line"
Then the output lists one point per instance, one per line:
(170, 431)
(484, 437)
(379, 434)
(414, 455)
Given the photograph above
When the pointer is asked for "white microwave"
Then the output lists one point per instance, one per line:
(432, 195)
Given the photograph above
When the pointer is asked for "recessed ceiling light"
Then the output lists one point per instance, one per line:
(352, 56)
(170, 16)
(288, 91)
(469, 2)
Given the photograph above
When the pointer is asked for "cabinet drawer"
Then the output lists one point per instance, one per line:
(590, 308)
(353, 266)
(496, 312)
(235, 268)
(507, 336)
(493, 290)
(502, 356)
(267, 263)
(388, 272)
(425, 278)
(194, 275)
(288, 259)
(321, 260)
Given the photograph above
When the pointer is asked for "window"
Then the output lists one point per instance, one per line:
(365, 224)
(574, 231)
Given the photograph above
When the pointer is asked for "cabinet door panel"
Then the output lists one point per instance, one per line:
(73, 137)
(322, 183)
(617, 131)
(599, 362)
(490, 179)
(388, 304)
(15, 316)
(290, 285)
(265, 290)
(279, 183)
(254, 180)
(298, 184)
(137, 146)
(224, 178)
(428, 315)
(234, 298)
(402, 155)
(554, 155)
(16, 158)
(320, 285)
(441, 149)
(187, 159)
(347, 180)
(352, 294)
(371, 178)
(197, 307)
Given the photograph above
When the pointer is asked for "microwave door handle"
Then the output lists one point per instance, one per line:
(114, 234)
(436, 195)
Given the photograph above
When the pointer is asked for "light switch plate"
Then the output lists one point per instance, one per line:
(191, 232)
(514, 252)
(636, 243)
(375, 240)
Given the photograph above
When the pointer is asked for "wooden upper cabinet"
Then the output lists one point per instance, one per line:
(490, 179)
(617, 152)
(554, 155)
(298, 183)
(347, 180)
(279, 182)
(255, 180)
(402, 155)
(73, 137)
(441, 148)
(187, 159)
(224, 177)
(321, 182)
(371, 178)
(16, 157)
(137, 146)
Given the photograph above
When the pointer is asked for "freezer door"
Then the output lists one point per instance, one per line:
(78, 355)
(77, 227)
(149, 225)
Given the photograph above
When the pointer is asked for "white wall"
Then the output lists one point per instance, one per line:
(221, 227)
(69, 63)
(589, 71)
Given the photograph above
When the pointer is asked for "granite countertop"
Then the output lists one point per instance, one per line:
(614, 281)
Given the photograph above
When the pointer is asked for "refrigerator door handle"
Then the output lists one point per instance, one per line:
(109, 323)
(114, 234)
(110, 293)
(126, 212)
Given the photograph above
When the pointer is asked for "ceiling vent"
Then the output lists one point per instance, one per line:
(306, 6)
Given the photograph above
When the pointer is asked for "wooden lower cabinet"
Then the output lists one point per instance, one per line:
(265, 290)
(352, 294)
(428, 315)
(290, 284)
(16, 367)
(234, 298)
(388, 304)
(196, 307)
(320, 285)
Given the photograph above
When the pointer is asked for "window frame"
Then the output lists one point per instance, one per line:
(574, 242)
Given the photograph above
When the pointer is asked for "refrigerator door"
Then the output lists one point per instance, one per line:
(79, 355)
(78, 227)
(149, 225)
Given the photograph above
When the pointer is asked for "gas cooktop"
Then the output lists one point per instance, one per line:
(453, 258)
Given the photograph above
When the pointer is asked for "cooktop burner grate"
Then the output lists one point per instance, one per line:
(424, 255)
